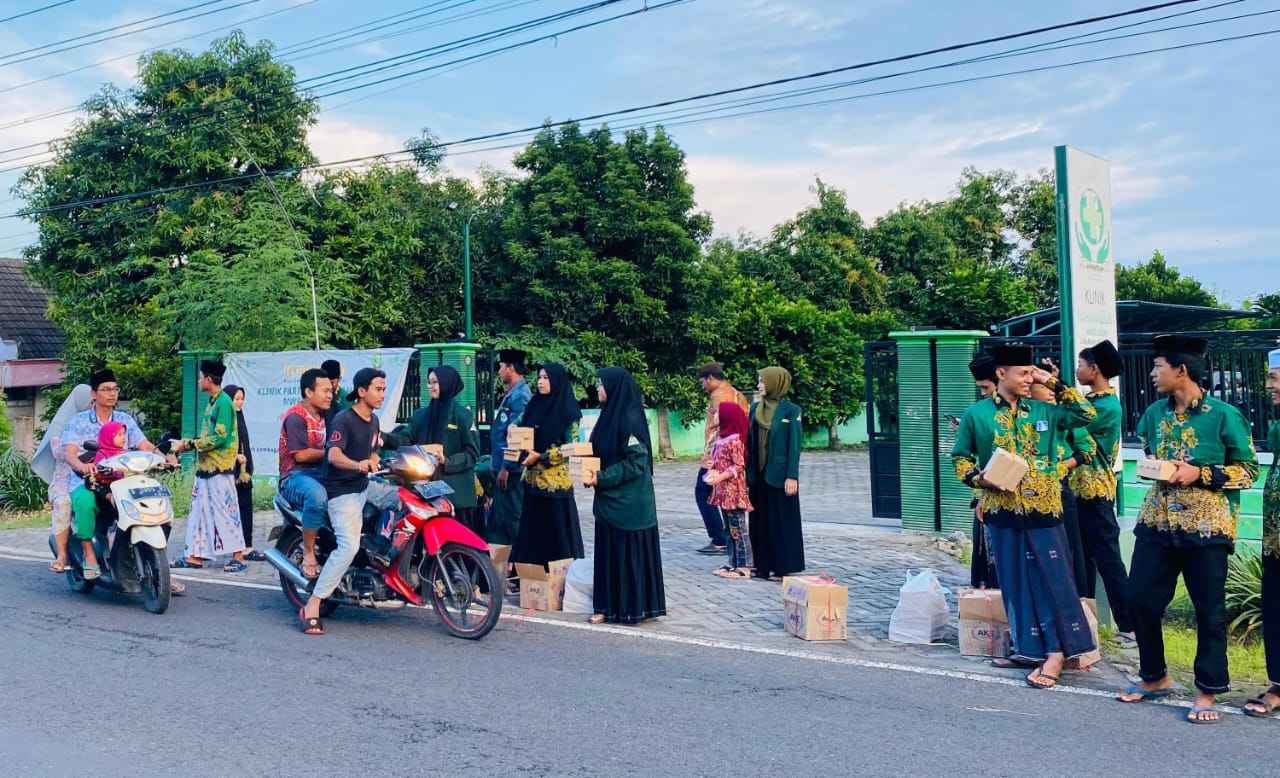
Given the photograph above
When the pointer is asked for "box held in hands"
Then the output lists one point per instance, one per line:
(1156, 469)
(580, 466)
(520, 438)
(815, 607)
(1005, 470)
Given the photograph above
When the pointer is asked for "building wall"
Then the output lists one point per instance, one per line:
(25, 408)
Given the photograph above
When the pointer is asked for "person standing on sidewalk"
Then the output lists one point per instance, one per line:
(506, 487)
(1187, 525)
(244, 481)
(773, 477)
(728, 479)
(1024, 525)
(982, 570)
(719, 390)
(628, 585)
(1094, 484)
(213, 525)
(449, 424)
(1269, 701)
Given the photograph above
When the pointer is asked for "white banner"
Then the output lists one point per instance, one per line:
(270, 380)
(1085, 184)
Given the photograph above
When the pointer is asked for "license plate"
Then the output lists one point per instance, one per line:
(149, 492)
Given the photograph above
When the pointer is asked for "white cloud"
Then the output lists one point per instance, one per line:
(334, 139)
(1209, 243)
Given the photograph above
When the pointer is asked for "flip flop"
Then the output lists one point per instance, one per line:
(57, 567)
(1261, 700)
(255, 556)
(1193, 715)
(92, 572)
(1145, 695)
(731, 573)
(1053, 679)
(183, 563)
(234, 566)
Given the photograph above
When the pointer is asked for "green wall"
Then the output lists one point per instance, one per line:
(688, 441)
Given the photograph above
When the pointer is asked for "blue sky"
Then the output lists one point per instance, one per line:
(1190, 132)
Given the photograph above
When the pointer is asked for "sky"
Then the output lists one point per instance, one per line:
(1189, 132)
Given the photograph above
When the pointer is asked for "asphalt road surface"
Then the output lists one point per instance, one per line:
(224, 684)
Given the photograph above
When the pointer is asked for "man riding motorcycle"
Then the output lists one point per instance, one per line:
(301, 451)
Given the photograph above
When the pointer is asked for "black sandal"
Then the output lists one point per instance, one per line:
(184, 564)
(1053, 679)
(1268, 710)
(310, 626)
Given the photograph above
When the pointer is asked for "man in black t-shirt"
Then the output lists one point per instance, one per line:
(350, 456)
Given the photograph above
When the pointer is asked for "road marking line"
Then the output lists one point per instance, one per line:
(723, 645)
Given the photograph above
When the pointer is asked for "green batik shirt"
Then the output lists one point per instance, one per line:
(219, 440)
(1214, 437)
(1095, 479)
(1271, 496)
(1076, 444)
(1034, 430)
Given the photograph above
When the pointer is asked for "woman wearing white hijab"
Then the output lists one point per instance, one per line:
(50, 464)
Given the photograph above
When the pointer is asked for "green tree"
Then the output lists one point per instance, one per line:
(1157, 281)
(1268, 305)
(190, 119)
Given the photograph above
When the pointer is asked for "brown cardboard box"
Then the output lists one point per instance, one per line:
(1090, 659)
(542, 588)
(984, 625)
(1005, 470)
(577, 449)
(511, 454)
(815, 607)
(436, 450)
(520, 438)
(1156, 469)
(580, 466)
(499, 554)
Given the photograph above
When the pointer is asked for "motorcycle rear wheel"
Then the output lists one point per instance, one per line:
(291, 546)
(153, 574)
(473, 608)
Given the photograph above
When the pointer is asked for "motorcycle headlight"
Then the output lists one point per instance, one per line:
(421, 512)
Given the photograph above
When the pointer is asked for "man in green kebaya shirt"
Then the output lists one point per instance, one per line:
(1267, 703)
(1187, 525)
(1024, 524)
(1094, 484)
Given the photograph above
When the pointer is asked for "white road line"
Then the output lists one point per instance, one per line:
(723, 645)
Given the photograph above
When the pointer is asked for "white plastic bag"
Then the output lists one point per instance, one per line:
(579, 584)
(922, 614)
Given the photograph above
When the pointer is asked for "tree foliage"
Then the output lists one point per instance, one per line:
(1157, 281)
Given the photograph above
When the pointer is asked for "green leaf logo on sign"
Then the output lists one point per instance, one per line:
(1093, 234)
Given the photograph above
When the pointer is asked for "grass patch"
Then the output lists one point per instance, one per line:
(23, 519)
(180, 483)
(1245, 659)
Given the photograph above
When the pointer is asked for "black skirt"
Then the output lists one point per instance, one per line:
(776, 541)
(549, 530)
(628, 574)
(244, 493)
(1075, 545)
(982, 567)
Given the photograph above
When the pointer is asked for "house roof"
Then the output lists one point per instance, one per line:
(1131, 316)
(23, 318)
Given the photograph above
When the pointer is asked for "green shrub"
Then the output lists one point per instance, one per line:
(1244, 594)
(20, 488)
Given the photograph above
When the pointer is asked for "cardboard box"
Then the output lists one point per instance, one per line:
(1005, 470)
(542, 588)
(511, 454)
(580, 466)
(815, 607)
(499, 554)
(984, 625)
(520, 438)
(436, 450)
(1085, 661)
(577, 449)
(1156, 469)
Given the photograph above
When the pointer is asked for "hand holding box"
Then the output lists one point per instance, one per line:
(1005, 470)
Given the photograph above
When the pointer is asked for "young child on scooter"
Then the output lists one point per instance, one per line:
(112, 439)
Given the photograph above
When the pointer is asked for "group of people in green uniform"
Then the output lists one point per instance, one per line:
(1026, 537)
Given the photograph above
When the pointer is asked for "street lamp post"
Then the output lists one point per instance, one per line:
(466, 272)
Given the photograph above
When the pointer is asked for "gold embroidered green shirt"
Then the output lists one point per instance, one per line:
(1096, 479)
(219, 440)
(550, 475)
(1033, 430)
(1215, 437)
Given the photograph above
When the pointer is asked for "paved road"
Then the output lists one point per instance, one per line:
(223, 684)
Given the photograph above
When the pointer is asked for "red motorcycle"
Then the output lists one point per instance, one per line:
(432, 555)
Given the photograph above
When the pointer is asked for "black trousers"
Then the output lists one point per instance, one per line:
(245, 494)
(1152, 579)
(1100, 534)
(1271, 615)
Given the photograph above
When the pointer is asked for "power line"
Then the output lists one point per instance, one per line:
(125, 34)
(626, 111)
(326, 35)
(36, 10)
(44, 46)
(356, 32)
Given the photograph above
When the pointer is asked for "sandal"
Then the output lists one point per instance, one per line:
(234, 566)
(56, 567)
(185, 564)
(92, 572)
(1194, 714)
(1144, 694)
(1007, 663)
(1041, 675)
(255, 556)
(310, 626)
(732, 573)
(177, 588)
(596, 618)
(315, 565)
(1261, 701)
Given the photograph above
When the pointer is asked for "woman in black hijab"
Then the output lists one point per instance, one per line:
(446, 422)
(244, 484)
(628, 560)
(549, 528)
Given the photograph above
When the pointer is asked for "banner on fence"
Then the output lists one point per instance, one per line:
(271, 386)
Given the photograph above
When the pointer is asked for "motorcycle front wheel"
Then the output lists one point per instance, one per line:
(465, 591)
(153, 574)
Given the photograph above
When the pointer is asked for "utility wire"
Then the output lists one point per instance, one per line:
(26, 213)
(36, 10)
(354, 33)
(95, 33)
